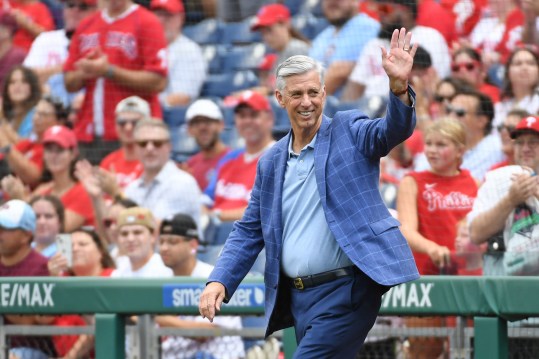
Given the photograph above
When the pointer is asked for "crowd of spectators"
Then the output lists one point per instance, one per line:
(110, 131)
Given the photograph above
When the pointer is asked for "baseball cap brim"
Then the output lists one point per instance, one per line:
(8, 223)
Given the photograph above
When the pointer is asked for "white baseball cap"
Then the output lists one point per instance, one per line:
(204, 108)
(134, 104)
(17, 214)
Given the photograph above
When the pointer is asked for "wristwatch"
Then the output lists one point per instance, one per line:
(5, 150)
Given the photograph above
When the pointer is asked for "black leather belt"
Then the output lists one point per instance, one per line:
(320, 278)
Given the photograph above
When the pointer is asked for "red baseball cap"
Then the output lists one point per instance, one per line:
(269, 15)
(526, 125)
(254, 100)
(267, 62)
(60, 135)
(171, 6)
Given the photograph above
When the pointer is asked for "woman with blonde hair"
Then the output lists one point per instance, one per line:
(431, 204)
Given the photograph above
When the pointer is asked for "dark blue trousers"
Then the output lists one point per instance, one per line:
(333, 319)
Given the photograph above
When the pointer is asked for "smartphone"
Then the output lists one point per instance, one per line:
(65, 247)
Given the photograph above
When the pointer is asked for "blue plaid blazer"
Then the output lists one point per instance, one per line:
(347, 161)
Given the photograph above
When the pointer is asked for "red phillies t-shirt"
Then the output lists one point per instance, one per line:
(32, 150)
(431, 14)
(466, 14)
(203, 168)
(125, 171)
(234, 183)
(134, 41)
(441, 203)
(512, 34)
(39, 14)
(77, 200)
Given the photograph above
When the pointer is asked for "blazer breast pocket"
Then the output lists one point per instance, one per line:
(383, 225)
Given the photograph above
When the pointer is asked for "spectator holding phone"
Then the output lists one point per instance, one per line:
(90, 258)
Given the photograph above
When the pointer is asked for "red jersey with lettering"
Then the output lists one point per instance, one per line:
(39, 14)
(466, 14)
(77, 200)
(203, 168)
(133, 41)
(32, 150)
(442, 202)
(234, 182)
(125, 171)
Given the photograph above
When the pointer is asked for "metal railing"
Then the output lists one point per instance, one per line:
(492, 301)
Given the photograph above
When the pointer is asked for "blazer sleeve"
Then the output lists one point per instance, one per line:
(376, 137)
(243, 244)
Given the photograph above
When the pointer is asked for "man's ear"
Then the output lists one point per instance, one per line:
(279, 98)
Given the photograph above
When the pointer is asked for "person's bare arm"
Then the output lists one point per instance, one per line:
(337, 74)
(178, 99)
(26, 23)
(74, 80)
(72, 221)
(492, 221)
(25, 169)
(408, 216)
(175, 322)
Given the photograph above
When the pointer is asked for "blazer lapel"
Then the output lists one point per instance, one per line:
(279, 164)
(321, 153)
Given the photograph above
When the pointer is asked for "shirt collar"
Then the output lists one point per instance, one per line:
(291, 152)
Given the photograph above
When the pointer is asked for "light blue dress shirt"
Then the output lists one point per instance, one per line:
(309, 247)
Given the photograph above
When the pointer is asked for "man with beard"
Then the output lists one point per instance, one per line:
(338, 46)
(205, 124)
(368, 77)
(50, 49)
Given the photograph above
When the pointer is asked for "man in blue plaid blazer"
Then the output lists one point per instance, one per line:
(332, 248)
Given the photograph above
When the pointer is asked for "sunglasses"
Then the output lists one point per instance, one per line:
(459, 112)
(109, 222)
(81, 6)
(122, 122)
(509, 129)
(155, 143)
(440, 99)
(469, 66)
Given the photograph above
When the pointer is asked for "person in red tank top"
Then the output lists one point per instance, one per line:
(431, 204)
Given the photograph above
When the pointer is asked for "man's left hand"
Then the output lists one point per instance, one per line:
(398, 61)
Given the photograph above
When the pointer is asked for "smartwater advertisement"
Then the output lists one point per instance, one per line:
(182, 295)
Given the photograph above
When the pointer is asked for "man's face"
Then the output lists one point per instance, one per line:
(394, 16)
(136, 241)
(466, 68)
(252, 125)
(13, 240)
(206, 131)
(176, 250)
(125, 125)
(74, 12)
(338, 12)
(303, 98)
(464, 108)
(172, 23)
(153, 147)
(526, 149)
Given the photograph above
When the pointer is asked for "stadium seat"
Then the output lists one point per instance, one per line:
(294, 6)
(244, 57)
(313, 7)
(309, 25)
(209, 253)
(221, 85)
(214, 57)
(174, 116)
(205, 32)
(240, 33)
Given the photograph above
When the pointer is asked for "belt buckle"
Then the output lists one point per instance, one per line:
(298, 283)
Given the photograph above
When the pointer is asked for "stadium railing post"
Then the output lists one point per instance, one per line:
(490, 338)
(110, 336)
